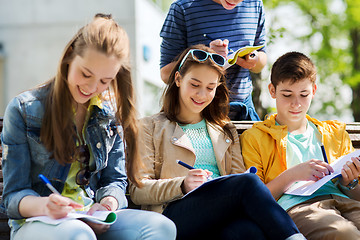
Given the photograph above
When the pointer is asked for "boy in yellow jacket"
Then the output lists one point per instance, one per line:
(286, 148)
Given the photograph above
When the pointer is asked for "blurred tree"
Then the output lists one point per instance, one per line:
(163, 4)
(337, 24)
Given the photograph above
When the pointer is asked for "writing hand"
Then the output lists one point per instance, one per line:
(97, 227)
(58, 206)
(311, 170)
(195, 178)
(220, 47)
(350, 171)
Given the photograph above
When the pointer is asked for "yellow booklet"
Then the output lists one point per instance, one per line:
(232, 58)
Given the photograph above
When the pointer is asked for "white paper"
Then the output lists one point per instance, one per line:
(306, 188)
(98, 217)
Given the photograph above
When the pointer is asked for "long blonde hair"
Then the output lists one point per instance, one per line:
(57, 132)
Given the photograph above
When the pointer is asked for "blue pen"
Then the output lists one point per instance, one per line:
(48, 184)
(189, 167)
(324, 154)
(212, 39)
(184, 164)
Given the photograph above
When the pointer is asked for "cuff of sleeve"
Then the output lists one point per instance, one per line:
(12, 204)
(114, 192)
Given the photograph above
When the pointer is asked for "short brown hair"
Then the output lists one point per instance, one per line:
(293, 67)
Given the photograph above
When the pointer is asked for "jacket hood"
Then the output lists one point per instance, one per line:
(279, 131)
(269, 126)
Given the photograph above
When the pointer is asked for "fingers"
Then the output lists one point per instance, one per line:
(220, 46)
(59, 206)
(199, 175)
(350, 171)
(64, 201)
(98, 228)
(194, 179)
(209, 174)
(220, 43)
(321, 168)
(312, 170)
(248, 61)
(96, 207)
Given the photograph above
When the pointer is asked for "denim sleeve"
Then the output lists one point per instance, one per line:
(173, 35)
(16, 161)
(113, 180)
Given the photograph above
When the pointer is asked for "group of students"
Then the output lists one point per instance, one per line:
(80, 130)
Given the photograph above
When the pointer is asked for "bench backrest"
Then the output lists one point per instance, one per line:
(352, 128)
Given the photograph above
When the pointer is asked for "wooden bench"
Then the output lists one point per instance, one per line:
(352, 128)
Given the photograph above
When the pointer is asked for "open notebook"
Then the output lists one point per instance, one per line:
(250, 170)
(306, 188)
(102, 217)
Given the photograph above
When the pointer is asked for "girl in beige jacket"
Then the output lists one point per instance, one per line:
(193, 127)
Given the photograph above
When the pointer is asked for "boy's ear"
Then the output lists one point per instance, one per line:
(314, 89)
(272, 90)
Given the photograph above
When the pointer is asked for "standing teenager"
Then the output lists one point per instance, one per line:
(73, 130)
(222, 25)
(194, 127)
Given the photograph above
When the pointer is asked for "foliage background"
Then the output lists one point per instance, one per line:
(328, 31)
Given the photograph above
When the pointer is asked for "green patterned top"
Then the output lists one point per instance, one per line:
(201, 142)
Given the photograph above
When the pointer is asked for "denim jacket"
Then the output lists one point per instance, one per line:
(25, 157)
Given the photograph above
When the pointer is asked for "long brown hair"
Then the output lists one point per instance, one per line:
(217, 111)
(57, 132)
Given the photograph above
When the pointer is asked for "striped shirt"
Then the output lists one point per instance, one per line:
(188, 20)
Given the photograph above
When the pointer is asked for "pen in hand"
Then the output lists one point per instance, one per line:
(48, 184)
(212, 39)
(324, 154)
(68, 203)
(188, 167)
(185, 165)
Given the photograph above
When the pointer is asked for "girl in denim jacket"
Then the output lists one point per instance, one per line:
(71, 130)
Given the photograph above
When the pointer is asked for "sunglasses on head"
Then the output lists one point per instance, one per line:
(83, 156)
(201, 56)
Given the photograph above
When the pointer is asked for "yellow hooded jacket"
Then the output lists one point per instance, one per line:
(264, 145)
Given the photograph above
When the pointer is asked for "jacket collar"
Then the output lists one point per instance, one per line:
(279, 132)
(219, 141)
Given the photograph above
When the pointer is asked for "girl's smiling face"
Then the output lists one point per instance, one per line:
(91, 74)
(197, 89)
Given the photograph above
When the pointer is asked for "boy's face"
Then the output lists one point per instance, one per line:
(228, 4)
(292, 100)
